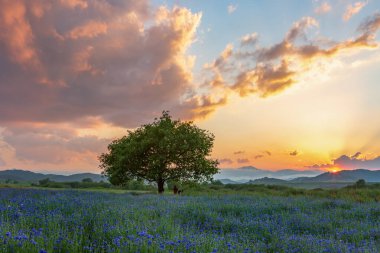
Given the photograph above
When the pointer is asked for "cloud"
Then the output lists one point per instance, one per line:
(224, 56)
(266, 71)
(17, 35)
(267, 152)
(263, 154)
(249, 39)
(293, 153)
(353, 9)
(239, 152)
(75, 3)
(231, 8)
(242, 160)
(53, 145)
(113, 56)
(356, 155)
(122, 62)
(325, 7)
(2, 162)
(89, 30)
(97, 59)
(225, 161)
(351, 162)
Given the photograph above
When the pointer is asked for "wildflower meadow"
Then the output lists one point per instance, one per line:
(77, 221)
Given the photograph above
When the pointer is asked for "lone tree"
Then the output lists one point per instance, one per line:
(164, 150)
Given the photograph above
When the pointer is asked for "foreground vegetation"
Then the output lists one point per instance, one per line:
(355, 192)
(34, 220)
(359, 191)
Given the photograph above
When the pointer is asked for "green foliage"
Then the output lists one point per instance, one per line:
(44, 182)
(367, 193)
(159, 152)
(52, 184)
(360, 183)
(87, 180)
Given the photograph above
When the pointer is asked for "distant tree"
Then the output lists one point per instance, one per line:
(163, 150)
(217, 182)
(360, 183)
(44, 182)
(87, 180)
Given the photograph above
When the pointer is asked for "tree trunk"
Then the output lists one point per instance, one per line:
(160, 185)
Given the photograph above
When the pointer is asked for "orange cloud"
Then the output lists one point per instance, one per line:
(99, 71)
(17, 33)
(270, 70)
(89, 30)
(75, 3)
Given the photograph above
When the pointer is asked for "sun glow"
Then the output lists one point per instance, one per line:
(334, 169)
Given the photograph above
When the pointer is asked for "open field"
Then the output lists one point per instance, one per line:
(35, 220)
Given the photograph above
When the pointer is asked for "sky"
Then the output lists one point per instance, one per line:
(281, 84)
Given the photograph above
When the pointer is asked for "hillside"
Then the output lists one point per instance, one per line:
(244, 174)
(28, 176)
(268, 181)
(343, 176)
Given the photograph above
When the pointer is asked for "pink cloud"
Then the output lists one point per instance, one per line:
(325, 7)
(89, 30)
(99, 67)
(353, 9)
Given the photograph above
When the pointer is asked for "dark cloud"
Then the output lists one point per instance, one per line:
(356, 155)
(351, 162)
(267, 152)
(259, 156)
(239, 152)
(294, 153)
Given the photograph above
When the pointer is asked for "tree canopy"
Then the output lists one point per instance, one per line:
(164, 150)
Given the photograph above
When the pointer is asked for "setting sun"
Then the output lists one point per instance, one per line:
(334, 169)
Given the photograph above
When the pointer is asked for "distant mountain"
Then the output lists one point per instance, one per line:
(249, 168)
(268, 181)
(244, 174)
(228, 181)
(343, 176)
(253, 175)
(24, 175)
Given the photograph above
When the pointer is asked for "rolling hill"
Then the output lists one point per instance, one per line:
(269, 181)
(28, 176)
(244, 174)
(343, 176)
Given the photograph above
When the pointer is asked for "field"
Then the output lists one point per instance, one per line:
(35, 220)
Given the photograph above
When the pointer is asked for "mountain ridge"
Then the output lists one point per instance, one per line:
(29, 176)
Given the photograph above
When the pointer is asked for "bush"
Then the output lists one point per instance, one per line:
(360, 183)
